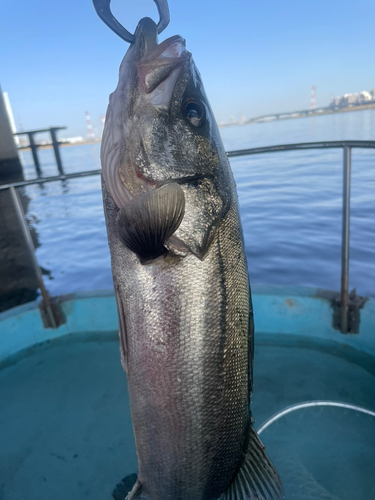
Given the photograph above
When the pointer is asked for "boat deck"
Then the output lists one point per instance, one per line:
(66, 431)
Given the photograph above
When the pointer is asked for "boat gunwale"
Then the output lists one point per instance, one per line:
(293, 311)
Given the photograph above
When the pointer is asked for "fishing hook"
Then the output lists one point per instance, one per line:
(103, 10)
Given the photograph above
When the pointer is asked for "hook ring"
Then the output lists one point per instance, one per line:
(103, 10)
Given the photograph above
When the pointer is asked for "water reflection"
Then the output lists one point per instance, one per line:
(18, 282)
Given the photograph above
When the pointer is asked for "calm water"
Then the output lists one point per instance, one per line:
(290, 207)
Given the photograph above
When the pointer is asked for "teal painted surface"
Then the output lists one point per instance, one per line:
(71, 394)
(292, 311)
(91, 312)
(303, 312)
(283, 311)
(22, 327)
(66, 430)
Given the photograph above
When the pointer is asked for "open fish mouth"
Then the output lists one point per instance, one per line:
(158, 64)
(148, 73)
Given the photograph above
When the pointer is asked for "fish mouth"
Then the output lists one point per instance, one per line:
(153, 70)
(159, 63)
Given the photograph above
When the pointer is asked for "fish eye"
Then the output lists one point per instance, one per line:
(195, 111)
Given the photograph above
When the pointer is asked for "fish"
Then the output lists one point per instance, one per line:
(181, 282)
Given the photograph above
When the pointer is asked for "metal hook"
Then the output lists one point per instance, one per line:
(103, 10)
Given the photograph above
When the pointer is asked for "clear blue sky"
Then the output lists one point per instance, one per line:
(57, 58)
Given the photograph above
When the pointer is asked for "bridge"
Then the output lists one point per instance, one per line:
(280, 116)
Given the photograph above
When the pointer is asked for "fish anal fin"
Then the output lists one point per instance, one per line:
(150, 219)
(257, 479)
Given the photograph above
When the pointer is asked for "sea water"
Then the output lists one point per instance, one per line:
(290, 206)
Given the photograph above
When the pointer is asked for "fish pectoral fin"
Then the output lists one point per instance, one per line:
(257, 479)
(150, 219)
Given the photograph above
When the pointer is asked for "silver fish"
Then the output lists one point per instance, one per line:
(181, 282)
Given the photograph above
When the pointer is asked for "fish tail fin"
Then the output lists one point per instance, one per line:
(257, 479)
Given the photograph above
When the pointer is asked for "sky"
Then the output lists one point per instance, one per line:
(58, 59)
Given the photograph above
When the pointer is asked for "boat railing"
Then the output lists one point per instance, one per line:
(347, 305)
(34, 146)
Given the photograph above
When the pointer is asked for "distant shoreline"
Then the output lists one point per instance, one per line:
(299, 114)
(61, 144)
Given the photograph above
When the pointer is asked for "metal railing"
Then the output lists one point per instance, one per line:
(344, 301)
(31, 250)
(34, 146)
(347, 147)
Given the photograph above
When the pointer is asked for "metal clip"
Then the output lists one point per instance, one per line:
(103, 10)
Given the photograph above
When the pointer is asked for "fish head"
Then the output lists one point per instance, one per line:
(160, 128)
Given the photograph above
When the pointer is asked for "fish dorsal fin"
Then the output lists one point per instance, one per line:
(257, 479)
(150, 219)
